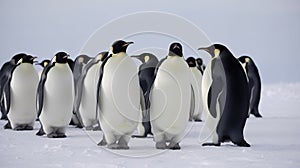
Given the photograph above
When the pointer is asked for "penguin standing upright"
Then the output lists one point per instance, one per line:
(200, 65)
(118, 97)
(170, 99)
(226, 97)
(20, 95)
(254, 84)
(5, 72)
(56, 97)
(196, 82)
(86, 92)
(146, 78)
(43, 64)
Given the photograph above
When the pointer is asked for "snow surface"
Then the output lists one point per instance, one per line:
(275, 141)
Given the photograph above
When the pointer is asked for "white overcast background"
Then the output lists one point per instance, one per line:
(266, 30)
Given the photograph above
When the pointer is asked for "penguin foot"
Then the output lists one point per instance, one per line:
(102, 142)
(40, 132)
(7, 126)
(211, 144)
(161, 145)
(258, 115)
(139, 136)
(23, 128)
(198, 120)
(243, 144)
(117, 146)
(97, 128)
(54, 135)
(89, 128)
(174, 146)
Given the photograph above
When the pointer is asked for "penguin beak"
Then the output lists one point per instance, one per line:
(66, 56)
(137, 57)
(207, 49)
(127, 43)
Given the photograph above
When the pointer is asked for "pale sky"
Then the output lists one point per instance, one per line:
(266, 30)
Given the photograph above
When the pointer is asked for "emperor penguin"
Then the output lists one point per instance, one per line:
(55, 97)
(254, 84)
(225, 97)
(86, 93)
(79, 62)
(170, 99)
(20, 95)
(43, 64)
(196, 99)
(118, 97)
(5, 72)
(200, 65)
(146, 79)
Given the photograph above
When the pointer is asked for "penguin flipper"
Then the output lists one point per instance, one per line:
(101, 71)
(192, 106)
(157, 67)
(40, 90)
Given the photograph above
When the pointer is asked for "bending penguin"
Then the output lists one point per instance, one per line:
(225, 97)
(146, 78)
(86, 93)
(5, 72)
(170, 99)
(254, 84)
(20, 95)
(118, 97)
(55, 97)
(196, 99)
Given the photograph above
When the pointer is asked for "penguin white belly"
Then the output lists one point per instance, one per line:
(58, 97)
(23, 95)
(87, 108)
(210, 127)
(119, 96)
(170, 98)
(197, 84)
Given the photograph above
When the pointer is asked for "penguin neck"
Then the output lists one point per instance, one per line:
(121, 54)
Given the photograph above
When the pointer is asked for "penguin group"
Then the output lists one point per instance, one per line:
(110, 93)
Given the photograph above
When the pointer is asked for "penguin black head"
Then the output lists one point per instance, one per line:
(44, 63)
(28, 59)
(175, 49)
(102, 55)
(120, 46)
(244, 59)
(15, 59)
(191, 61)
(145, 57)
(61, 57)
(215, 49)
(199, 61)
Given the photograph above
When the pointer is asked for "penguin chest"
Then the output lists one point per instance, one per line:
(23, 88)
(170, 97)
(58, 96)
(119, 95)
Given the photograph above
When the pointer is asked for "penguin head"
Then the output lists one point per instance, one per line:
(175, 49)
(199, 61)
(44, 63)
(244, 59)
(82, 59)
(191, 61)
(101, 56)
(215, 49)
(120, 46)
(61, 57)
(145, 57)
(15, 59)
(28, 59)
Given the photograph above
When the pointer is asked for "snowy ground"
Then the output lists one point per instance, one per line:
(275, 141)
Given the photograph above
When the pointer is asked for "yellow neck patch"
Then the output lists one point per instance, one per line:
(146, 58)
(217, 52)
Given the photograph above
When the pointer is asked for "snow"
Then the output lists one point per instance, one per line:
(274, 139)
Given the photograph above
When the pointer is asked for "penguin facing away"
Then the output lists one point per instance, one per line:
(146, 79)
(86, 92)
(170, 99)
(55, 97)
(43, 64)
(5, 72)
(196, 82)
(118, 97)
(254, 84)
(20, 95)
(226, 97)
